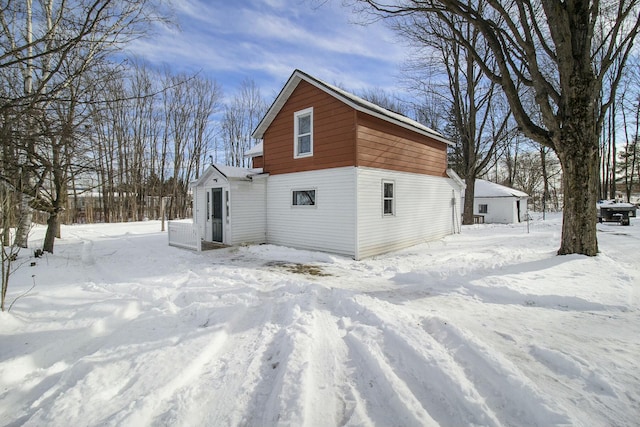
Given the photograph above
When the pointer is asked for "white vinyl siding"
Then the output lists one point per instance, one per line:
(329, 226)
(247, 220)
(501, 210)
(348, 217)
(199, 209)
(423, 210)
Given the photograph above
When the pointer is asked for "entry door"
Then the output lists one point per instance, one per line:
(216, 217)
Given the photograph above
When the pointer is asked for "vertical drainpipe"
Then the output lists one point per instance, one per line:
(454, 203)
(356, 246)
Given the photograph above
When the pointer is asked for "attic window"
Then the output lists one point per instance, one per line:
(303, 133)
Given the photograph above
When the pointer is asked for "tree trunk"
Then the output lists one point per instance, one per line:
(469, 194)
(24, 221)
(545, 178)
(580, 180)
(6, 213)
(50, 236)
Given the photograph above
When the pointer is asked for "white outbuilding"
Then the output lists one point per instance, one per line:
(498, 204)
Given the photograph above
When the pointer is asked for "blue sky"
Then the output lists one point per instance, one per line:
(265, 40)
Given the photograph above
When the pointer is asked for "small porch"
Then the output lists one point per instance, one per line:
(187, 236)
(229, 208)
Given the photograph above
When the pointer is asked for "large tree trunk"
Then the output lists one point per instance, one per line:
(579, 161)
(469, 194)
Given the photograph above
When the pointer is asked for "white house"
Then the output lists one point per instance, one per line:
(499, 204)
(333, 173)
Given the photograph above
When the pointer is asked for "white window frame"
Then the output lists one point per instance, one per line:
(392, 198)
(481, 210)
(296, 135)
(315, 199)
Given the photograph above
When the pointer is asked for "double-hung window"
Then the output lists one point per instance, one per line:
(388, 200)
(303, 133)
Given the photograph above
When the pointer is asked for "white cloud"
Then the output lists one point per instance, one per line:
(269, 39)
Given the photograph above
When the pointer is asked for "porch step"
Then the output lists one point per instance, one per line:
(207, 246)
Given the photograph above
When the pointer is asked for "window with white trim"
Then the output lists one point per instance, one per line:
(303, 197)
(483, 209)
(388, 199)
(303, 133)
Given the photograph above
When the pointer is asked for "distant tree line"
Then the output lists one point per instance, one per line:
(85, 136)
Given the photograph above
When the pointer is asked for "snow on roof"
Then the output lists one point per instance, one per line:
(237, 172)
(350, 99)
(229, 172)
(255, 151)
(485, 188)
(614, 203)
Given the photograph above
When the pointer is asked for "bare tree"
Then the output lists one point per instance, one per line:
(8, 252)
(241, 116)
(386, 100)
(560, 51)
(39, 39)
(479, 121)
(189, 103)
(151, 132)
(628, 165)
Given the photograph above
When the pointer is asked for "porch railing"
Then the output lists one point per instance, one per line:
(184, 235)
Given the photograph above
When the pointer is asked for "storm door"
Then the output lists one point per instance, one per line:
(216, 217)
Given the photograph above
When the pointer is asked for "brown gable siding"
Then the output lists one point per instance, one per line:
(333, 133)
(257, 162)
(386, 146)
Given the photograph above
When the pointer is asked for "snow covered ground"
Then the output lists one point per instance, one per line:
(486, 328)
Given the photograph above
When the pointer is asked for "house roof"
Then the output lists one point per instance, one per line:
(485, 188)
(228, 172)
(255, 151)
(351, 100)
(456, 178)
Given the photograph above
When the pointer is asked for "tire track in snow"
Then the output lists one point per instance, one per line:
(492, 374)
(146, 410)
(389, 400)
(456, 380)
(322, 375)
(290, 380)
(285, 380)
(410, 379)
(220, 388)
